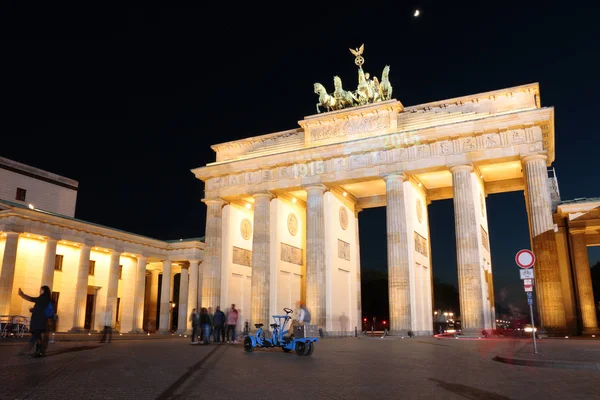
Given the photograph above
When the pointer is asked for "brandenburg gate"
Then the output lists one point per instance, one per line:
(282, 220)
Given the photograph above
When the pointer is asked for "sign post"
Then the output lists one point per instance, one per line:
(525, 260)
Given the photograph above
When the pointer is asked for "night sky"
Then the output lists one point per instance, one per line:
(128, 101)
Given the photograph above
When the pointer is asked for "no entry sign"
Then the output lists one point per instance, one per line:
(525, 259)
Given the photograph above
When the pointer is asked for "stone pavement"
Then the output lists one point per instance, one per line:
(351, 368)
(573, 353)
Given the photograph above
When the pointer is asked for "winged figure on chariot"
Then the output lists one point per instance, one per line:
(368, 91)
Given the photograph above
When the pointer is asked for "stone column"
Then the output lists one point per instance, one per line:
(165, 298)
(397, 249)
(7, 273)
(261, 266)
(358, 280)
(467, 251)
(211, 283)
(154, 300)
(112, 288)
(192, 295)
(583, 281)
(49, 262)
(315, 256)
(546, 270)
(81, 288)
(138, 296)
(200, 280)
(182, 322)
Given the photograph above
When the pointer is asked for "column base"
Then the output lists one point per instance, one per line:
(590, 331)
(78, 330)
(163, 332)
(137, 331)
(552, 332)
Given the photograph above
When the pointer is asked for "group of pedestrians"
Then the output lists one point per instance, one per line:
(218, 325)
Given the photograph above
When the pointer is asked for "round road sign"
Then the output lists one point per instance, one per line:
(525, 259)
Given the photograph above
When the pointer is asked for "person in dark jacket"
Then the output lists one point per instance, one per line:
(39, 321)
(205, 325)
(219, 321)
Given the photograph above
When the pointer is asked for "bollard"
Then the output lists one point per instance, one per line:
(355, 331)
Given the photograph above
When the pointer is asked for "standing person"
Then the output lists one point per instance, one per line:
(39, 321)
(195, 319)
(304, 316)
(212, 324)
(232, 317)
(219, 321)
(205, 325)
(107, 325)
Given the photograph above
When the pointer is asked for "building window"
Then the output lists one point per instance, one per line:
(21, 194)
(58, 261)
(120, 272)
(92, 267)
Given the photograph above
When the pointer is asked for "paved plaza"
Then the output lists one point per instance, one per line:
(418, 368)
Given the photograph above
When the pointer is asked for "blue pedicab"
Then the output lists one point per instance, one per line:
(302, 346)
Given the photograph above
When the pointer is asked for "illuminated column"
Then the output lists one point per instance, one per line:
(138, 299)
(165, 298)
(113, 285)
(583, 281)
(153, 309)
(546, 270)
(261, 247)
(211, 278)
(81, 287)
(397, 249)
(467, 250)
(183, 301)
(192, 294)
(7, 273)
(315, 255)
(49, 261)
(358, 281)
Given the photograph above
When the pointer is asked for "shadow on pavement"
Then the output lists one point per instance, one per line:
(468, 391)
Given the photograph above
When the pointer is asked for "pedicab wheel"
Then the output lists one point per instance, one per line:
(301, 349)
(311, 348)
(248, 345)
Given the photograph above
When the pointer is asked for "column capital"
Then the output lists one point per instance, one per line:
(12, 234)
(194, 261)
(117, 250)
(215, 201)
(315, 187)
(51, 239)
(532, 157)
(396, 175)
(263, 195)
(461, 168)
(87, 243)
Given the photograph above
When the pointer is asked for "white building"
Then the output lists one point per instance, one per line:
(88, 267)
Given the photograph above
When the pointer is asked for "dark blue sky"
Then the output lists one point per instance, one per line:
(128, 101)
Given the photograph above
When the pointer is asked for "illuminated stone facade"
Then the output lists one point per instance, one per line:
(89, 268)
(384, 154)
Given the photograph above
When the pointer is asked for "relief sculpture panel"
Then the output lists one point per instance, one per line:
(291, 254)
(350, 127)
(421, 245)
(343, 250)
(485, 240)
(242, 256)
